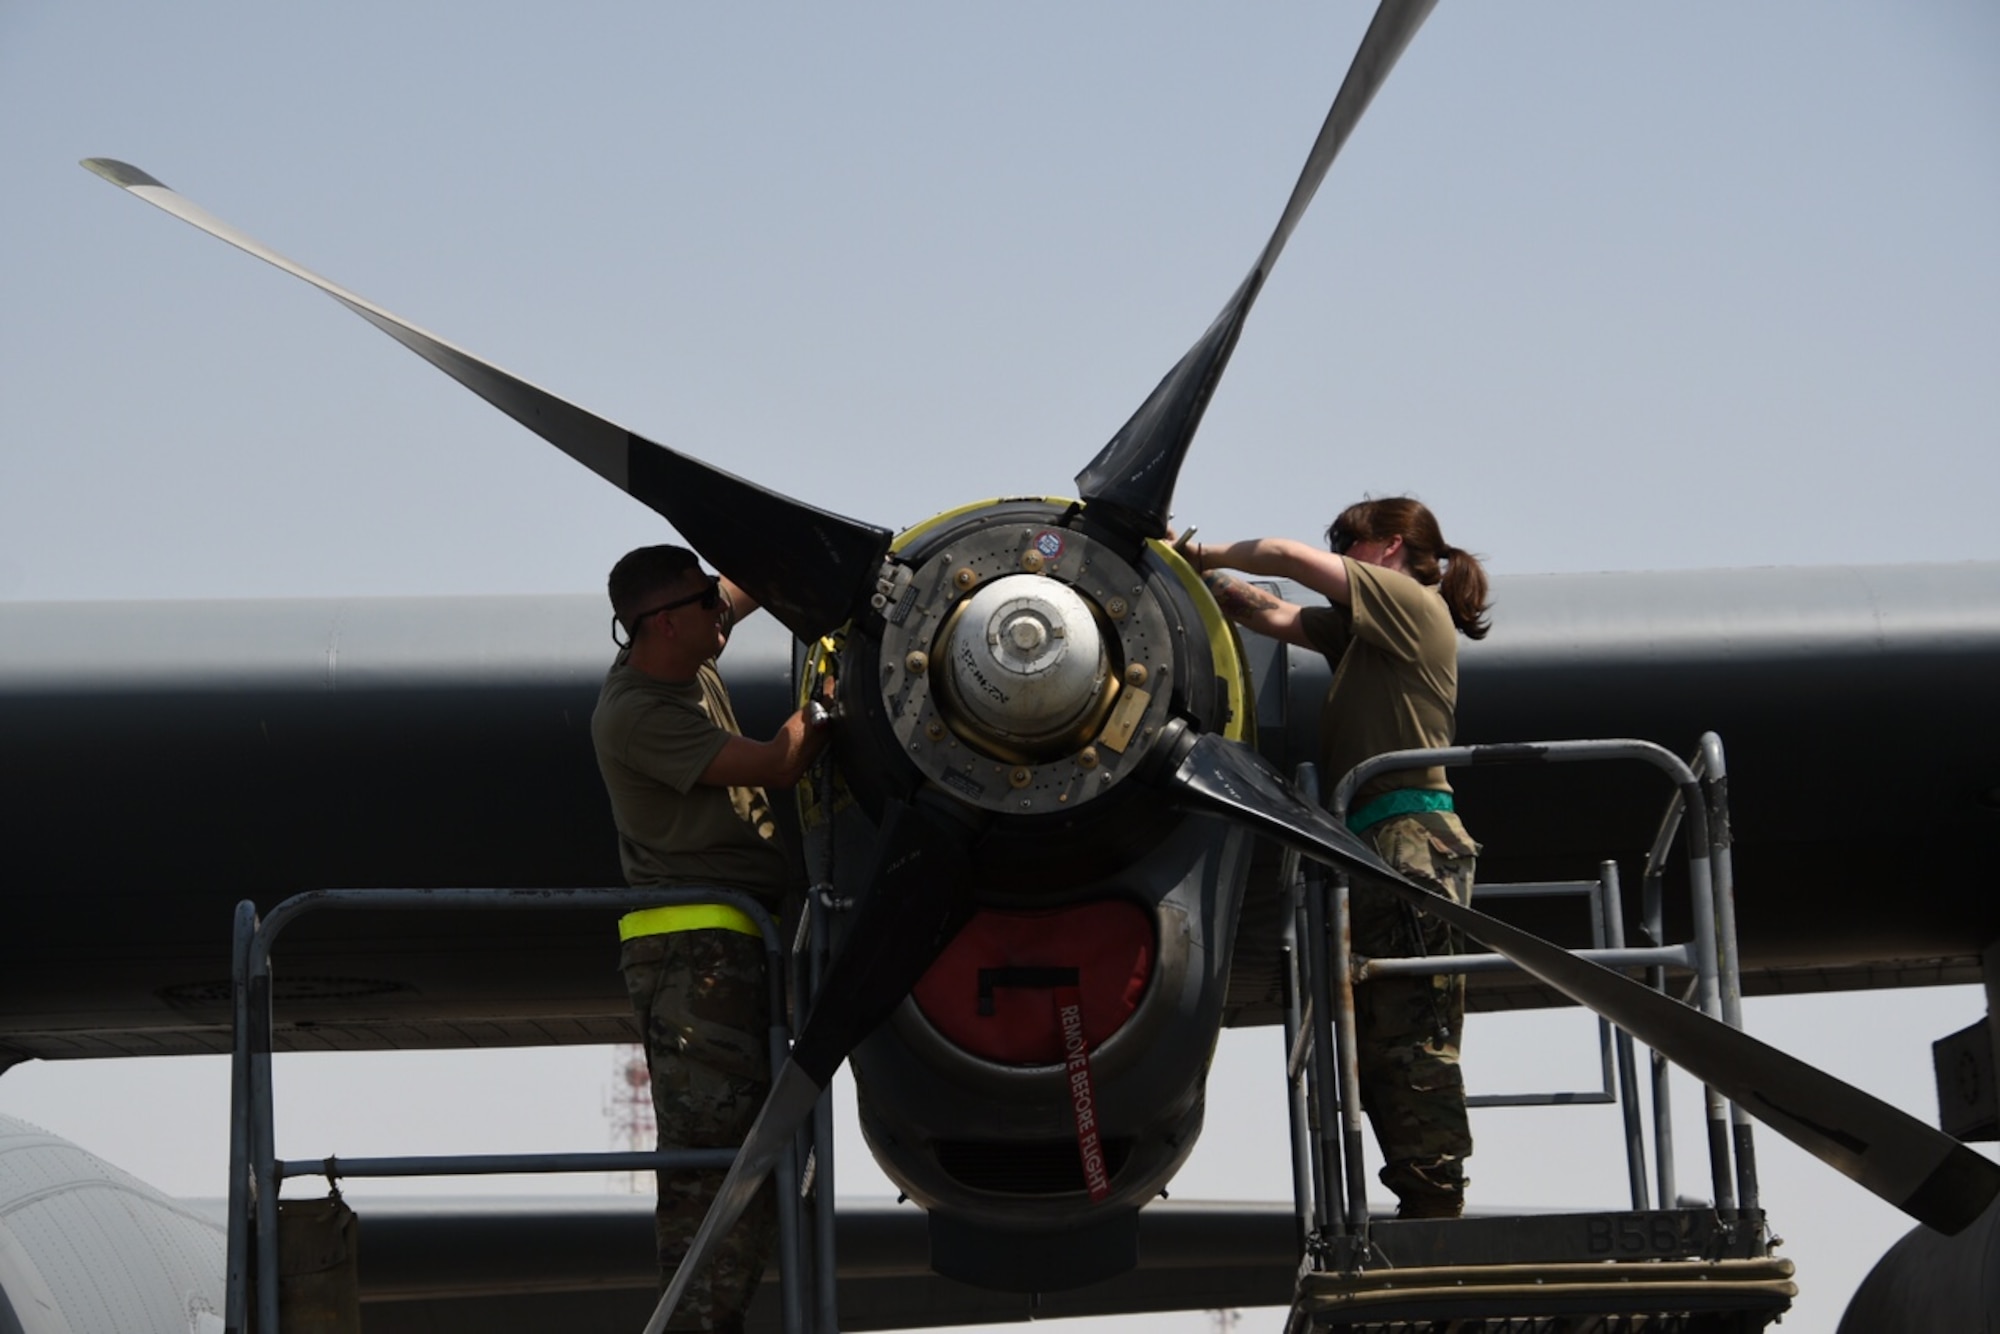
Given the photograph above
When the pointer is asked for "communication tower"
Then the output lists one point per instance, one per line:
(628, 1106)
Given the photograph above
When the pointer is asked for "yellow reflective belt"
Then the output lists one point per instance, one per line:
(686, 917)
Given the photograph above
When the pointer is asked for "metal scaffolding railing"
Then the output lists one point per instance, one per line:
(256, 1173)
(1329, 1190)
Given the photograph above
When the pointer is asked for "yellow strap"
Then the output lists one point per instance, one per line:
(686, 917)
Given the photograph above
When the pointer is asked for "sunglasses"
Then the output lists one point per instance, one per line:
(1340, 542)
(710, 598)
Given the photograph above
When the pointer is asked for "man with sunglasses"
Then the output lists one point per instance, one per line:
(688, 797)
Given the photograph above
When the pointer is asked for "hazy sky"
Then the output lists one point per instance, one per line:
(1614, 287)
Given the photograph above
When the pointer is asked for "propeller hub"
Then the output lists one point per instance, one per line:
(1026, 667)
(1025, 663)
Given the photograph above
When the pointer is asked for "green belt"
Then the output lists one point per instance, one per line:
(1397, 801)
(686, 917)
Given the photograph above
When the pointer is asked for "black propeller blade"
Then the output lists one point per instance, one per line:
(919, 896)
(1925, 1173)
(810, 567)
(1135, 473)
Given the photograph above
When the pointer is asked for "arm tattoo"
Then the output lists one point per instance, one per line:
(1238, 598)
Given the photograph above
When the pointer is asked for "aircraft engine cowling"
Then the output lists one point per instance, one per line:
(86, 1246)
(1928, 1282)
(989, 1142)
(1022, 668)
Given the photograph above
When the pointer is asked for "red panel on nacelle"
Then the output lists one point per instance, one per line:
(992, 991)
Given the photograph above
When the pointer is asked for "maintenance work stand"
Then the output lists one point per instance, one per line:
(1671, 1267)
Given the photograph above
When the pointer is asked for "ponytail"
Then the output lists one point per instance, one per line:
(1464, 591)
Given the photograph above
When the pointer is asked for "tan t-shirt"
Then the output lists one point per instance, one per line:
(654, 738)
(1395, 677)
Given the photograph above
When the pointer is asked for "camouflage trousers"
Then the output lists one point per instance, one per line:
(1409, 1028)
(703, 1004)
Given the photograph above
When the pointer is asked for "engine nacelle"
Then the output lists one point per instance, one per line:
(1929, 1282)
(1023, 667)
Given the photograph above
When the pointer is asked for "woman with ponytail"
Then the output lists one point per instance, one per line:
(1398, 595)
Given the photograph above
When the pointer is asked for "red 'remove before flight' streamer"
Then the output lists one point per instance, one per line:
(1082, 1094)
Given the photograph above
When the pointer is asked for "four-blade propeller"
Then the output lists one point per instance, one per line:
(816, 570)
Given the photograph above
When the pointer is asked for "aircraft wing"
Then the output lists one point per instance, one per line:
(166, 760)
